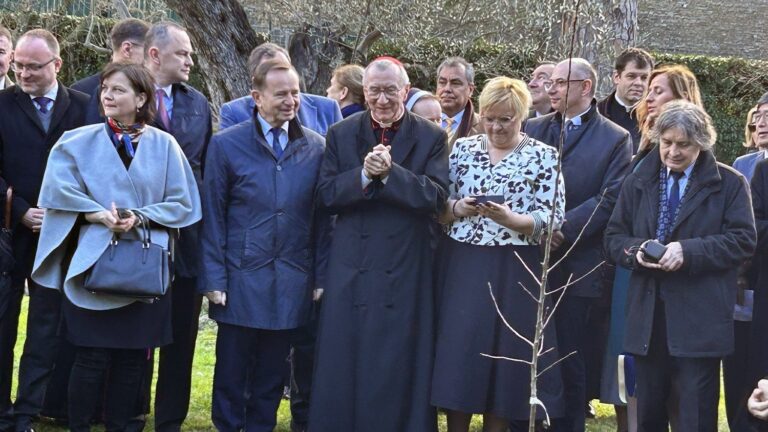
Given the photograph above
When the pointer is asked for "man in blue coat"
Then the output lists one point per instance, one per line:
(183, 112)
(595, 158)
(317, 113)
(262, 247)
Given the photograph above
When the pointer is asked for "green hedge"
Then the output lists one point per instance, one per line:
(730, 86)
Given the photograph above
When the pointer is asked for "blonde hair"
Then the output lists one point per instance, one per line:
(508, 92)
(683, 84)
(748, 142)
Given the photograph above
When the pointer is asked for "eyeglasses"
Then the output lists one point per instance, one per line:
(32, 67)
(389, 92)
(501, 121)
(559, 83)
(759, 116)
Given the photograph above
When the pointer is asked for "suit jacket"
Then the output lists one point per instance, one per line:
(262, 239)
(746, 164)
(90, 86)
(596, 159)
(24, 149)
(616, 113)
(317, 113)
(716, 229)
(191, 126)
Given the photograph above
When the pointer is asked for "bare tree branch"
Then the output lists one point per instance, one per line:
(504, 320)
(506, 358)
(554, 364)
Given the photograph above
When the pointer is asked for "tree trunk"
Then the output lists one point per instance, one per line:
(314, 54)
(223, 38)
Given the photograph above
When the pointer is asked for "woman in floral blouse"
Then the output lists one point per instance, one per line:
(491, 244)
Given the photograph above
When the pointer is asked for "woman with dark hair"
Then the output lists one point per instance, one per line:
(682, 223)
(91, 172)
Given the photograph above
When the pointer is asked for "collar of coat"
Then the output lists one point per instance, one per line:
(468, 121)
(705, 169)
(585, 118)
(294, 127)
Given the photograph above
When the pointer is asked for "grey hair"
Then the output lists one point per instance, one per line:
(384, 64)
(582, 67)
(159, 35)
(763, 99)
(469, 70)
(689, 118)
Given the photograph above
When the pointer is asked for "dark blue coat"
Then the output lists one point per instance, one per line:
(191, 126)
(376, 338)
(90, 86)
(260, 228)
(317, 113)
(596, 159)
(716, 229)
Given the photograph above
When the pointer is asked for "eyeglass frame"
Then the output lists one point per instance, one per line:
(32, 67)
(548, 84)
(761, 115)
(389, 92)
(503, 121)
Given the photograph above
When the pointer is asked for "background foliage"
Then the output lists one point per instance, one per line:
(730, 86)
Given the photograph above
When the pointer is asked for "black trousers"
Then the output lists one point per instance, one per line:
(251, 367)
(116, 375)
(696, 380)
(572, 318)
(39, 355)
(735, 375)
(9, 325)
(174, 377)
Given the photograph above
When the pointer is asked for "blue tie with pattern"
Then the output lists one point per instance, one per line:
(42, 103)
(673, 200)
(276, 141)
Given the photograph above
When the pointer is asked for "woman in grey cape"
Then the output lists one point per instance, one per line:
(91, 171)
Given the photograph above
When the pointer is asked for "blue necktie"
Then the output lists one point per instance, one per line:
(276, 141)
(42, 102)
(673, 200)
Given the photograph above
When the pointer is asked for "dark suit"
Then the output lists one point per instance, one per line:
(191, 126)
(90, 86)
(596, 158)
(24, 149)
(680, 323)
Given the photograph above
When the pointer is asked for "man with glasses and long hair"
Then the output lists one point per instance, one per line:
(36, 112)
(384, 175)
(595, 158)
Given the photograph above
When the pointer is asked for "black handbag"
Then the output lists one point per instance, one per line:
(133, 268)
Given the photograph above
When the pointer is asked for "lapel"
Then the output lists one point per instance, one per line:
(181, 102)
(104, 151)
(648, 188)
(703, 183)
(405, 139)
(60, 107)
(366, 140)
(296, 138)
(25, 103)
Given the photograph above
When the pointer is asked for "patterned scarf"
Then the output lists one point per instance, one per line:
(127, 135)
(666, 221)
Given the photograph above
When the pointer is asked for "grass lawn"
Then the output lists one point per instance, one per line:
(199, 418)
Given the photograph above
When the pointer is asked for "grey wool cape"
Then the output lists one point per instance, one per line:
(85, 174)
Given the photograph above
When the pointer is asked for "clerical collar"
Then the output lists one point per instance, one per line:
(621, 102)
(394, 125)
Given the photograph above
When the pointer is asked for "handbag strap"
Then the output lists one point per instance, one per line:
(8, 202)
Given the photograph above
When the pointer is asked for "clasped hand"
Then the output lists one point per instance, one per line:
(378, 162)
(758, 401)
(112, 220)
(671, 261)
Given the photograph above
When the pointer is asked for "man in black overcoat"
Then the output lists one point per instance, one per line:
(183, 112)
(596, 154)
(384, 175)
(35, 113)
(630, 76)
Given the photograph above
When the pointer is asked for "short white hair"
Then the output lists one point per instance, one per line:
(384, 64)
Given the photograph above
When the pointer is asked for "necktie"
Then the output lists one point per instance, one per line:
(42, 103)
(276, 141)
(162, 112)
(570, 127)
(673, 200)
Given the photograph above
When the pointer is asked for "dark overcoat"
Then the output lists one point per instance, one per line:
(617, 113)
(24, 150)
(259, 234)
(90, 86)
(595, 160)
(376, 338)
(191, 126)
(716, 229)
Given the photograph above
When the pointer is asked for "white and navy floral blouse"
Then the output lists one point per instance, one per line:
(525, 177)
